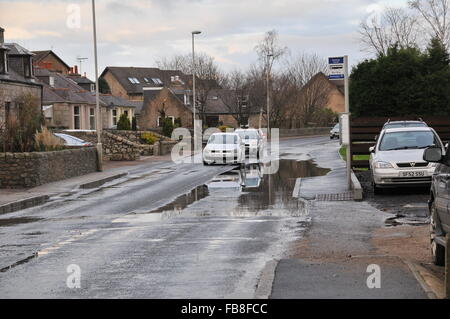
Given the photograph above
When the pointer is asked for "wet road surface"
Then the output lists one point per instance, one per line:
(180, 231)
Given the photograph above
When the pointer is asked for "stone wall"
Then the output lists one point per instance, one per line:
(27, 170)
(309, 131)
(117, 147)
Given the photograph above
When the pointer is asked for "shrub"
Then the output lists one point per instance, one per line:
(17, 135)
(45, 141)
(124, 123)
(134, 124)
(167, 127)
(148, 138)
(223, 128)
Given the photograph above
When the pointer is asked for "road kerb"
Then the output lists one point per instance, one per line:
(23, 204)
(265, 283)
(417, 272)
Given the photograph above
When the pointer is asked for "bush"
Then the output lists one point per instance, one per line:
(124, 123)
(45, 141)
(167, 127)
(404, 82)
(17, 135)
(148, 138)
(223, 128)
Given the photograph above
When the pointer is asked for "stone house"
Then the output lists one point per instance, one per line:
(164, 102)
(176, 105)
(129, 82)
(16, 78)
(65, 104)
(50, 61)
(114, 107)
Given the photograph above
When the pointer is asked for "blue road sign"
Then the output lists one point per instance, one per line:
(338, 60)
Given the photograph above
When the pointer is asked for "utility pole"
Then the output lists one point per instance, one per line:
(97, 97)
(269, 56)
(194, 102)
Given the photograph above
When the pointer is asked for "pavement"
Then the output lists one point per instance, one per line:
(16, 199)
(334, 257)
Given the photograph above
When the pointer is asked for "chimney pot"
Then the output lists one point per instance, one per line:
(2, 35)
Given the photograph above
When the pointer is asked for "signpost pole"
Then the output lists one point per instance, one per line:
(347, 110)
(338, 71)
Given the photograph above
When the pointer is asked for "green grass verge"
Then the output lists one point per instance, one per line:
(343, 153)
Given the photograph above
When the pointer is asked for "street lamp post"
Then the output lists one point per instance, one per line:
(194, 33)
(268, 93)
(97, 98)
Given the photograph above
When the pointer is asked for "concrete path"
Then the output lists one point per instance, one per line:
(333, 258)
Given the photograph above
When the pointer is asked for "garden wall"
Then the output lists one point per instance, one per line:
(27, 170)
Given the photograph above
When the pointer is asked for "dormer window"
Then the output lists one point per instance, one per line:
(3, 62)
(27, 67)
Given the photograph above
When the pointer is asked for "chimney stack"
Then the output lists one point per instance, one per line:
(76, 69)
(2, 35)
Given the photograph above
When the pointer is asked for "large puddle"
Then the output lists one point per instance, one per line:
(256, 193)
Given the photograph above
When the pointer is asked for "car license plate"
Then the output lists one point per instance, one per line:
(412, 174)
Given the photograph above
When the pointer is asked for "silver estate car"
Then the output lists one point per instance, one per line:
(397, 158)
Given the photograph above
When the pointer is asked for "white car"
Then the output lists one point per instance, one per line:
(224, 148)
(397, 158)
(254, 142)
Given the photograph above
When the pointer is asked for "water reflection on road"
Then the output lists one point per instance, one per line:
(256, 193)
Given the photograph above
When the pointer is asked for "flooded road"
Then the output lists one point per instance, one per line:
(211, 240)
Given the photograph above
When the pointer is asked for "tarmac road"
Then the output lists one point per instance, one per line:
(175, 231)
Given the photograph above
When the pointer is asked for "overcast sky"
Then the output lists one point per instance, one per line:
(138, 32)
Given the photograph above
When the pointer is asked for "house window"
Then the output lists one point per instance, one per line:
(157, 81)
(134, 80)
(27, 67)
(7, 111)
(160, 123)
(114, 117)
(3, 64)
(92, 87)
(92, 118)
(76, 117)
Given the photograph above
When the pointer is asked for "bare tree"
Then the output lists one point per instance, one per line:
(436, 15)
(207, 71)
(395, 26)
(269, 51)
(236, 96)
(309, 88)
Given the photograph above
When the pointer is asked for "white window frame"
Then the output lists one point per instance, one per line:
(92, 118)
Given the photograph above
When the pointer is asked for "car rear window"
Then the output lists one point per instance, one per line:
(223, 139)
(409, 140)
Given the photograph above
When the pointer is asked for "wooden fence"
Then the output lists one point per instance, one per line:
(365, 129)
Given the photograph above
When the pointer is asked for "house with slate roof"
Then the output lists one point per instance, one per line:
(16, 78)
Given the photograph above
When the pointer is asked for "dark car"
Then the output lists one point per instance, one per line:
(439, 203)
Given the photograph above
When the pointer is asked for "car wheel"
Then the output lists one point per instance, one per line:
(437, 251)
(377, 190)
(205, 163)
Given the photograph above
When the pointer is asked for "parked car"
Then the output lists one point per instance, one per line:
(439, 202)
(397, 158)
(224, 148)
(254, 142)
(400, 124)
(73, 141)
(335, 131)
